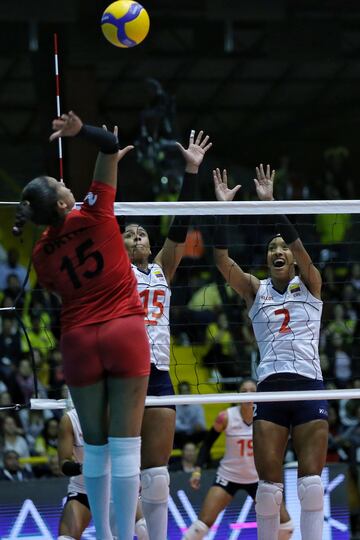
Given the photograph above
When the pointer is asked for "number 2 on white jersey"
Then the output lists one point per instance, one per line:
(151, 300)
(284, 328)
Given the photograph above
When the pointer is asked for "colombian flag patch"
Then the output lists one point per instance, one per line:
(158, 274)
(294, 288)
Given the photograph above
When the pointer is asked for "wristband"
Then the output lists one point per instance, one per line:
(105, 140)
(71, 468)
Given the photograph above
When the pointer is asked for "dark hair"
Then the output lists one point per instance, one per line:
(38, 204)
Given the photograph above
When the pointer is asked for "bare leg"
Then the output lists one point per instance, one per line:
(74, 519)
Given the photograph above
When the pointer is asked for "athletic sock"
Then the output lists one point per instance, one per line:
(125, 469)
(96, 471)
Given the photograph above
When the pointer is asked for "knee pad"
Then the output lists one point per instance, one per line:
(141, 529)
(155, 485)
(286, 530)
(311, 493)
(64, 537)
(268, 498)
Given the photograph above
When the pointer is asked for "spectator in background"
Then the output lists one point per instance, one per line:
(188, 459)
(12, 471)
(355, 276)
(33, 423)
(5, 399)
(47, 442)
(10, 347)
(335, 452)
(52, 470)
(21, 384)
(10, 438)
(340, 360)
(190, 420)
(12, 266)
(56, 374)
(203, 307)
(221, 353)
(40, 337)
(341, 325)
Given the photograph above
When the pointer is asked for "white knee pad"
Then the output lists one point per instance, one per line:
(268, 498)
(286, 530)
(64, 537)
(311, 493)
(155, 485)
(141, 530)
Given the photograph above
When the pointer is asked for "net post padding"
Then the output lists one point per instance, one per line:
(245, 397)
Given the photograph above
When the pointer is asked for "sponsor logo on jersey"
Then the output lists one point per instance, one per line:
(91, 198)
(265, 297)
(294, 288)
(158, 274)
(323, 411)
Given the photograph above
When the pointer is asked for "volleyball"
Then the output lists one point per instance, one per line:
(125, 23)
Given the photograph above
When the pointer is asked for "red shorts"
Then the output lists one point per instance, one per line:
(119, 347)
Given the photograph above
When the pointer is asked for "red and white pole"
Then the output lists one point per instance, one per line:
(58, 110)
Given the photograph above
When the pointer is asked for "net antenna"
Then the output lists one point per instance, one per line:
(58, 109)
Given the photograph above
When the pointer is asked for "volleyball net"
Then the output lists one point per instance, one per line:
(213, 347)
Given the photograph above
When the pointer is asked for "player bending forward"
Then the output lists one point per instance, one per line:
(236, 470)
(76, 514)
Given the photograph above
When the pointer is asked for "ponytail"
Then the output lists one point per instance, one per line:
(38, 205)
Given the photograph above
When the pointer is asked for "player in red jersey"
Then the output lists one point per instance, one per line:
(81, 257)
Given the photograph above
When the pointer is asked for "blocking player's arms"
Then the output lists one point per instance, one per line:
(218, 427)
(170, 255)
(246, 285)
(310, 275)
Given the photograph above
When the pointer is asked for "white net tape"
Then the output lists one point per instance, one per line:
(208, 208)
(246, 397)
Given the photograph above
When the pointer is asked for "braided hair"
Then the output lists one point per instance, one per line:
(38, 204)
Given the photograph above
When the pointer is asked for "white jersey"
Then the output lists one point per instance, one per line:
(155, 295)
(77, 483)
(238, 464)
(287, 330)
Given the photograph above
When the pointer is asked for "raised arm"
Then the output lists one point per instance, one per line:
(310, 275)
(218, 427)
(68, 466)
(70, 125)
(246, 285)
(172, 251)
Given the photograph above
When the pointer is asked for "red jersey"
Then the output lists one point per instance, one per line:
(85, 262)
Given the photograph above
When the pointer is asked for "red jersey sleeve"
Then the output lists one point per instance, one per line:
(98, 204)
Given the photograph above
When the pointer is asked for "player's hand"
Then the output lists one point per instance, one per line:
(194, 154)
(122, 151)
(195, 479)
(264, 183)
(222, 192)
(68, 125)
